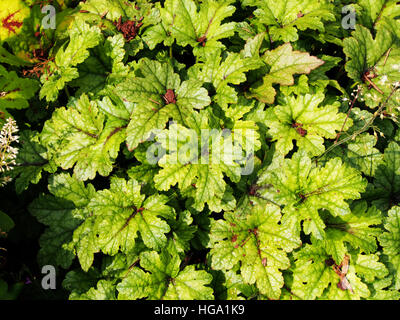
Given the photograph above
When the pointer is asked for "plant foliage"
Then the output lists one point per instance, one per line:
(206, 149)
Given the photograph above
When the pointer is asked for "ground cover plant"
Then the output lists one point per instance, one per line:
(188, 149)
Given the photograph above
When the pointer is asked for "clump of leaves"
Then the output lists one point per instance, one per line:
(209, 149)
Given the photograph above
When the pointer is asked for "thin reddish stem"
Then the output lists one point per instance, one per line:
(348, 114)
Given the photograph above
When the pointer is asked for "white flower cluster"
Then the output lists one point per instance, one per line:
(356, 93)
(8, 153)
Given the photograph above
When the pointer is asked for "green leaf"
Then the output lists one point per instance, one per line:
(165, 280)
(304, 188)
(117, 216)
(63, 69)
(152, 110)
(15, 91)
(116, 108)
(302, 120)
(373, 11)
(386, 184)
(381, 292)
(283, 63)
(7, 57)
(222, 70)
(354, 229)
(79, 137)
(12, 293)
(105, 290)
(159, 32)
(380, 57)
(314, 276)
(103, 68)
(146, 170)
(183, 231)
(6, 224)
(113, 9)
(77, 282)
(285, 18)
(230, 286)
(370, 268)
(365, 52)
(197, 160)
(201, 29)
(31, 160)
(361, 154)
(390, 241)
(259, 242)
(62, 213)
(311, 274)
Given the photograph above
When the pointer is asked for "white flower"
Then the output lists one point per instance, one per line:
(5, 180)
(396, 67)
(383, 79)
(8, 153)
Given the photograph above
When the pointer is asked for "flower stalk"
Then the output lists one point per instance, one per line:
(8, 153)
